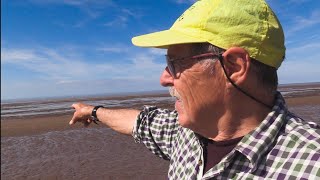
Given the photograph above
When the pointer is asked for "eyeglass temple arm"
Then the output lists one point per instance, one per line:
(237, 87)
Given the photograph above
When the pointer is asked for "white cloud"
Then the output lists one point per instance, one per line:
(93, 9)
(18, 55)
(71, 73)
(301, 23)
(48, 62)
(30, 89)
(124, 14)
(76, 3)
(120, 21)
(306, 49)
(140, 66)
(113, 49)
(68, 71)
(299, 71)
(185, 1)
(302, 64)
(133, 13)
(145, 61)
(65, 72)
(65, 66)
(158, 51)
(297, 1)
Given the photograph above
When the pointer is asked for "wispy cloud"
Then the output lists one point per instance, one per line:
(113, 49)
(93, 8)
(301, 23)
(64, 66)
(185, 1)
(96, 4)
(299, 71)
(297, 1)
(17, 56)
(134, 13)
(48, 62)
(66, 72)
(119, 21)
(304, 40)
(124, 15)
(311, 49)
(302, 64)
(157, 51)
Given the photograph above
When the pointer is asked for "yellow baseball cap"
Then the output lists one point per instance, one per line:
(250, 24)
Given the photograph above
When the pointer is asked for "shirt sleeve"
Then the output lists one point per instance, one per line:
(156, 129)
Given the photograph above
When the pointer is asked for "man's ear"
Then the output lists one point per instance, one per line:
(236, 62)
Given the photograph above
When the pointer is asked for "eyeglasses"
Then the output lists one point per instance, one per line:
(170, 61)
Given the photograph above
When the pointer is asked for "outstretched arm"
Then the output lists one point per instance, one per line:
(120, 120)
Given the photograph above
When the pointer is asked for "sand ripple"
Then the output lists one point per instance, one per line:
(92, 153)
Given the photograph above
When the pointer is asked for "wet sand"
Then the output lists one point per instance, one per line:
(46, 147)
(42, 124)
(36, 125)
(91, 153)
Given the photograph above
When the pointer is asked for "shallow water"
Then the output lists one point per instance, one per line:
(63, 106)
(18, 109)
(91, 153)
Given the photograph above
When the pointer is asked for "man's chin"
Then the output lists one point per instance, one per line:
(178, 106)
(184, 121)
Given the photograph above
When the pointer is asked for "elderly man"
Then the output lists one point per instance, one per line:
(229, 122)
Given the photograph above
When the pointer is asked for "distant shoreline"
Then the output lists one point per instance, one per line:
(59, 122)
(136, 93)
(93, 96)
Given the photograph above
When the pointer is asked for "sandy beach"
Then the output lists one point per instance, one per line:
(42, 124)
(46, 147)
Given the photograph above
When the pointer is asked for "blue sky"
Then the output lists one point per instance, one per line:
(83, 47)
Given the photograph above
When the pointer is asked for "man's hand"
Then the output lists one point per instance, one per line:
(82, 114)
(120, 120)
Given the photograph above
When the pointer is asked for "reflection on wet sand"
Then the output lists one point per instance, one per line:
(41, 144)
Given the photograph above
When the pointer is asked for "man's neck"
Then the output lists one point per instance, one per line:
(237, 120)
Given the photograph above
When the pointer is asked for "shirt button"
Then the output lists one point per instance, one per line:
(200, 162)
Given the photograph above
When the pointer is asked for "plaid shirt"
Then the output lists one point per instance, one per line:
(283, 146)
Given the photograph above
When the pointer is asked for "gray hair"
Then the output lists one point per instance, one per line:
(265, 74)
(199, 48)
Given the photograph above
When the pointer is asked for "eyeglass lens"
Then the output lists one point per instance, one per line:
(171, 67)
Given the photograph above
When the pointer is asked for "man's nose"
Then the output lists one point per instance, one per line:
(166, 78)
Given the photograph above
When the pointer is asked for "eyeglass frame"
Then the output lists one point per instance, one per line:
(170, 61)
(220, 58)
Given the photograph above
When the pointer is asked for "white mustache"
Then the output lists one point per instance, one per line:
(174, 93)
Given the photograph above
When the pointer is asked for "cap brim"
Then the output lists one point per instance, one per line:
(163, 39)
